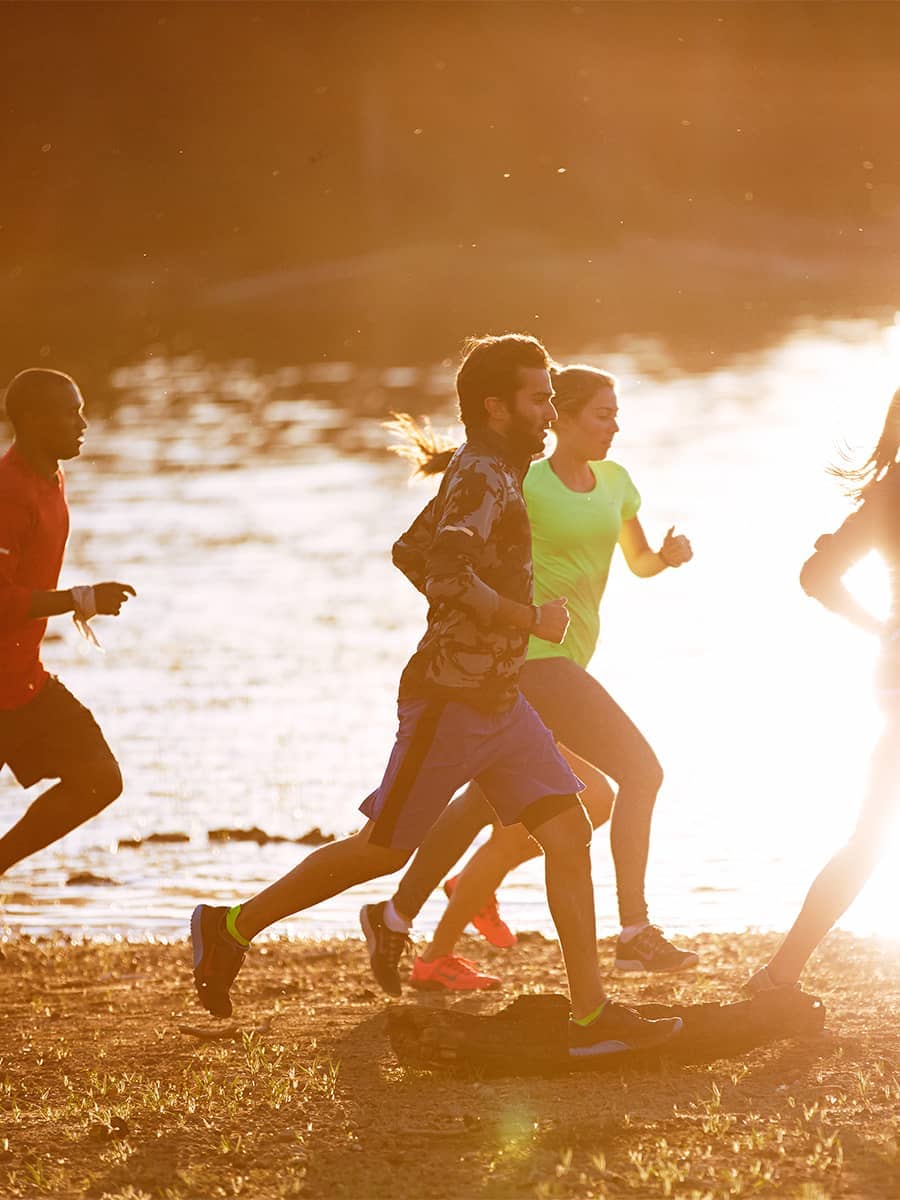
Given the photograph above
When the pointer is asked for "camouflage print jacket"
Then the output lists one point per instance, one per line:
(468, 547)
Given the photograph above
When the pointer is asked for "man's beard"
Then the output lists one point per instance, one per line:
(526, 438)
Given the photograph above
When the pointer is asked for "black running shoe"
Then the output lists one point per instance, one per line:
(385, 946)
(217, 959)
(651, 950)
(618, 1030)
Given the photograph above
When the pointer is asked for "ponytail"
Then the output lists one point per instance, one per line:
(428, 452)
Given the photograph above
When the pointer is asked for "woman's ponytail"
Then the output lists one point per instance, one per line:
(428, 452)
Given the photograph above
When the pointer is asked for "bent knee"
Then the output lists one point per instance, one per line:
(643, 778)
(99, 783)
(390, 858)
(568, 832)
(509, 844)
(649, 775)
(655, 776)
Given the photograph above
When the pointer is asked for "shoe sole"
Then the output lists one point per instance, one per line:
(197, 935)
(395, 988)
(426, 985)
(617, 1046)
(610, 1047)
(368, 931)
(635, 964)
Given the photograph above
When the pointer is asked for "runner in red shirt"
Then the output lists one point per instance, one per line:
(44, 732)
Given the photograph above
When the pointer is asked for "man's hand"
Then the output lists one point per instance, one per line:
(109, 597)
(676, 549)
(553, 620)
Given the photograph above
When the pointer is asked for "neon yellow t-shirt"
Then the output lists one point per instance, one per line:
(573, 536)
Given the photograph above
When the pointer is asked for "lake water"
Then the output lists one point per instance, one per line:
(252, 682)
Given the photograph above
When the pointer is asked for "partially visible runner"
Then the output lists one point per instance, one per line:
(461, 715)
(874, 525)
(580, 506)
(44, 732)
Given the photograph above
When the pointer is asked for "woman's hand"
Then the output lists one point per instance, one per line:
(676, 549)
(552, 620)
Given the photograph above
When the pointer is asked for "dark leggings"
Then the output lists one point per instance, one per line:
(584, 718)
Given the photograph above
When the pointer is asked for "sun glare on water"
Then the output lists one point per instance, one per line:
(760, 703)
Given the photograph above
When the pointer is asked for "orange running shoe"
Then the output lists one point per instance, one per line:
(450, 974)
(488, 922)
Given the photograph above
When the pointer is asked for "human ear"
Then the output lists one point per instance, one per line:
(496, 409)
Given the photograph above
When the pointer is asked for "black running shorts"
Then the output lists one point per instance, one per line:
(50, 737)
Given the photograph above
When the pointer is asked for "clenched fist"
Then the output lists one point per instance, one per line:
(109, 597)
(676, 549)
(553, 620)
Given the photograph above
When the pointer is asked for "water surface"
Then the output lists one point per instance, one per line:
(252, 682)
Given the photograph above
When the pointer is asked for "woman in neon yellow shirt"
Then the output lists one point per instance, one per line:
(580, 506)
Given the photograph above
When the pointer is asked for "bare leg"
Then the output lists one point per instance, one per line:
(62, 808)
(323, 874)
(484, 872)
(840, 882)
(566, 842)
(449, 838)
(506, 849)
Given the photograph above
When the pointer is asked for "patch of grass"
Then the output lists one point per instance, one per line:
(101, 1095)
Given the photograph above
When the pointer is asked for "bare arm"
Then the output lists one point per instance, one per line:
(822, 577)
(108, 599)
(49, 604)
(20, 603)
(644, 562)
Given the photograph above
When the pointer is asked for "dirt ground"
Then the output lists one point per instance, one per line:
(104, 1093)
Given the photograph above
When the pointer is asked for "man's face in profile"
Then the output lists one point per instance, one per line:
(531, 410)
(58, 425)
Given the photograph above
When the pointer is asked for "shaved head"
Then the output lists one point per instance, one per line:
(46, 411)
(29, 391)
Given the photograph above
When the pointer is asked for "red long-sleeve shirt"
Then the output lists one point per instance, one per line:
(34, 526)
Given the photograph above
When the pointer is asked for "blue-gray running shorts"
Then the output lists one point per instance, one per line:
(442, 745)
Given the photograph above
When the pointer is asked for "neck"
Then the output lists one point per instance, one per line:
(511, 450)
(572, 468)
(40, 462)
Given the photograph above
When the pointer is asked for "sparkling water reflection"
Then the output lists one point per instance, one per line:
(253, 681)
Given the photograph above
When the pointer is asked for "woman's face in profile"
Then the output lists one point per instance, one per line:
(591, 431)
